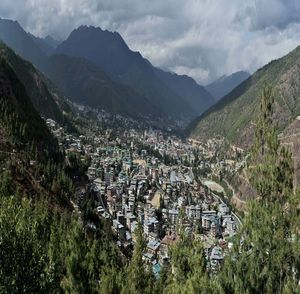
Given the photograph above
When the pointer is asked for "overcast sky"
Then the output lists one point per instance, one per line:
(202, 38)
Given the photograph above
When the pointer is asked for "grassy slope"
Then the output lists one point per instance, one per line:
(234, 116)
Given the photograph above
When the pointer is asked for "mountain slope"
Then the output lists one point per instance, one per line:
(184, 86)
(35, 84)
(109, 51)
(226, 84)
(234, 116)
(47, 44)
(31, 162)
(85, 83)
(42, 44)
(14, 36)
(53, 43)
(20, 123)
(145, 88)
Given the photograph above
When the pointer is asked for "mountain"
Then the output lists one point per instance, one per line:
(110, 53)
(94, 89)
(132, 85)
(42, 44)
(94, 86)
(14, 36)
(187, 88)
(234, 116)
(31, 162)
(47, 44)
(225, 84)
(35, 84)
(20, 123)
(53, 43)
(87, 84)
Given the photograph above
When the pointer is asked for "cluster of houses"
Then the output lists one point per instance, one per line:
(165, 200)
(135, 187)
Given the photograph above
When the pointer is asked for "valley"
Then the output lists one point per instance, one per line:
(117, 176)
(156, 179)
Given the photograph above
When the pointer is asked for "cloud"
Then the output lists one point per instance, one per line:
(273, 13)
(202, 38)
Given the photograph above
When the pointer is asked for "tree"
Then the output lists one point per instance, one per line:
(139, 277)
(266, 253)
(188, 264)
(7, 185)
(23, 255)
(77, 279)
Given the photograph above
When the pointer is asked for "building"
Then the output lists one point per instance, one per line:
(153, 247)
(216, 258)
(173, 216)
(169, 240)
(119, 230)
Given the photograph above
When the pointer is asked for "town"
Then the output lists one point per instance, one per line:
(161, 182)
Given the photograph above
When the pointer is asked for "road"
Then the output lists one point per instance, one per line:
(236, 218)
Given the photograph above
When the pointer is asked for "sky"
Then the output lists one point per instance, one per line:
(204, 39)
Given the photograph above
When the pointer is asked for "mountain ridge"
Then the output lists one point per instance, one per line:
(127, 67)
(94, 88)
(225, 84)
(234, 116)
(129, 71)
(14, 36)
(35, 84)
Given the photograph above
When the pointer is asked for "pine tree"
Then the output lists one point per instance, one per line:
(76, 279)
(266, 253)
(139, 277)
(23, 256)
(189, 274)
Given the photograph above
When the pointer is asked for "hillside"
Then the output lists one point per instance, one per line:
(20, 121)
(31, 162)
(14, 36)
(42, 44)
(233, 117)
(109, 51)
(87, 84)
(193, 94)
(226, 84)
(43, 100)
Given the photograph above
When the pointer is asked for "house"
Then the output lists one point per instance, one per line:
(119, 230)
(153, 247)
(169, 240)
(130, 218)
(156, 268)
(173, 216)
(216, 258)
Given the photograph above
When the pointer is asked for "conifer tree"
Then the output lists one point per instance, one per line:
(188, 267)
(139, 277)
(266, 253)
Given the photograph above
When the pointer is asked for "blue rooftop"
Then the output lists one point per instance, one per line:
(156, 268)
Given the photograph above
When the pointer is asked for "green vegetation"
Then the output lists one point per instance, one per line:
(44, 251)
(35, 84)
(234, 116)
(189, 273)
(20, 119)
(267, 259)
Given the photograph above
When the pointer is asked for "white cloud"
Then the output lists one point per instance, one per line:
(201, 38)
